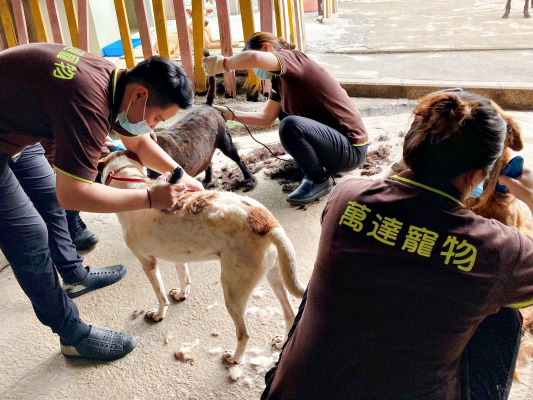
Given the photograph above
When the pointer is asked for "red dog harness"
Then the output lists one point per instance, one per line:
(112, 176)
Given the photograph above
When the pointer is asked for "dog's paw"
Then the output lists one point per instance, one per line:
(154, 315)
(178, 295)
(228, 357)
(277, 342)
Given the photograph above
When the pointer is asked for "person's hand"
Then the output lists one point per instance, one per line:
(521, 188)
(164, 195)
(190, 183)
(213, 65)
(108, 143)
(226, 113)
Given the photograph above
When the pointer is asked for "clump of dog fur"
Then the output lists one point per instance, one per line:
(287, 173)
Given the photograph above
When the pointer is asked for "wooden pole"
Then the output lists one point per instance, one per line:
(302, 20)
(161, 28)
(292, 28)
(124, 28)
(83, 29)
(72, 19)
(144, 30)
(183, 38)
(9, 29)
(265, 10)
(297, 24)
(279, 12)
(230, 84)
(38, 21)
(198, 14)
(327, 11)
(53, 14)
(248, 28)
(20, 22)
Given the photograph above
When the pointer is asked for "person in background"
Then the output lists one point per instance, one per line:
(321, 128)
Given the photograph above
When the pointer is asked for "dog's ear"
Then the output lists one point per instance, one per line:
(514, 132)
(189, 12)
(208, 11)
(102, 163)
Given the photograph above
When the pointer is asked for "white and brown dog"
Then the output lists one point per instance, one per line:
(202, 226)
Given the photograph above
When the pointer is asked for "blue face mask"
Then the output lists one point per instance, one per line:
(477, 191)
(138, 129)
(262, 74)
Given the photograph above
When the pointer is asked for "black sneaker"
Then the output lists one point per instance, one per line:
(101, 344)
(96, 278)
(308, 191)
(82, 238)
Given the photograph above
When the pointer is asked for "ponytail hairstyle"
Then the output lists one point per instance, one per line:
(452, 133)
(255, 42)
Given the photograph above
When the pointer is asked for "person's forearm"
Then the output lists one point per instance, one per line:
(253, 59)
(94, 197)
(254, 118)
(154, 157)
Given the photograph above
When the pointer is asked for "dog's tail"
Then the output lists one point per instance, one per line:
(211, 85)
(287, 261)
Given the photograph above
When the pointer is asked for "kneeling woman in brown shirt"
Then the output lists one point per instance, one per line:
(413, 295)
(320, 127)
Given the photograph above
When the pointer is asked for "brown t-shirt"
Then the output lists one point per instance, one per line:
(60, 93)
(305, 89)
(402, 279)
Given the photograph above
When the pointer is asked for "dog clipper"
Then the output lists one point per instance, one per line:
(176, 175)
(513, 169)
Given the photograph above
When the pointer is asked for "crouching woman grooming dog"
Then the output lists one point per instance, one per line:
(320, 126)
(413, 295)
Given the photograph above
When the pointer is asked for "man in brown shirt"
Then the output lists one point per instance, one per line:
(73, 98)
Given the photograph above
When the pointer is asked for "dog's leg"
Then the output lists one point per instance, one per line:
(227, 147)
(507, 10)
(152, 272)
(276, 282)
(238, 281)
(183, 292)
(208, 175)
(526, 10)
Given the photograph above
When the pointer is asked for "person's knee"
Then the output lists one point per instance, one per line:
(289, 129)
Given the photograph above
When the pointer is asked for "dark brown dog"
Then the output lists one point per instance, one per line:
(192, 141)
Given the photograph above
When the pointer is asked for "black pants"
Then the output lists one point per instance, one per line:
(34, 237)
(318, 149)
(488, 363)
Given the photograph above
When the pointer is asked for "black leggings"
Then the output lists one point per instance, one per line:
(318, 149)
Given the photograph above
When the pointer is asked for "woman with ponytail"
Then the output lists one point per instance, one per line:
(320, 126)
(413, 296)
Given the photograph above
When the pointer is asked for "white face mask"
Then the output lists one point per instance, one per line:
(262, 74)
(138, 129)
